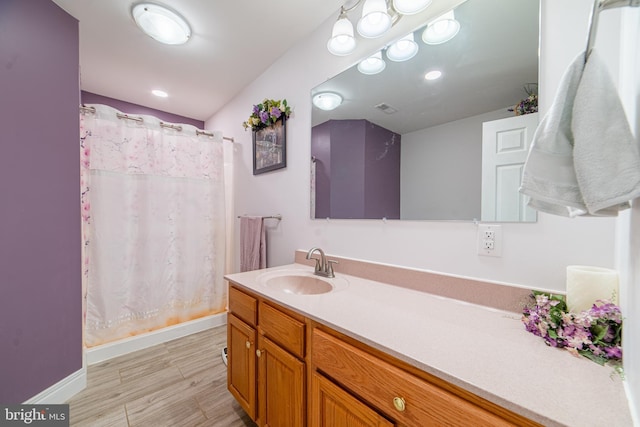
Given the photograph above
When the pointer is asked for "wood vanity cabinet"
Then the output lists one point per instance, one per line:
(241, 347)
(367, 379)
(286, 370)
(266, 374)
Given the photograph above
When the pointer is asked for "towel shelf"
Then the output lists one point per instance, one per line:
(278, 217)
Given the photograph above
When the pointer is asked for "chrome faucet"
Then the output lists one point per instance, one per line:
(324, 267)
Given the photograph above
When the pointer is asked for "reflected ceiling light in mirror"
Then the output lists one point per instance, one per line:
(442, 29)
(410, 7)
(403, 49)
(373, 64)
(160, 23)
(433, 75)
(342, 41)
(327, 100)
(375, 19)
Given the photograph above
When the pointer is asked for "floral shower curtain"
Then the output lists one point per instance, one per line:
(153, 210)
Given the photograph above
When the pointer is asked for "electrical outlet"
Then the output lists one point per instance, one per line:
(490, 240)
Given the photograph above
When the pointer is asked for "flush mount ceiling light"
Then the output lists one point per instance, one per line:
(410, 7)
(327, 100)
(441, 30)
(403, 50)
(372, 65)
(161, 24)
(375, 20)
(342, 41)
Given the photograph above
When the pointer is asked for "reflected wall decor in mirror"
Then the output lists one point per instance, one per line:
(400, 145)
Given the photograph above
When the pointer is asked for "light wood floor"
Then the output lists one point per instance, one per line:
(181, 383)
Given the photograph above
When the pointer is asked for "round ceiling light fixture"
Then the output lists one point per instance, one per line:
(161, 24)
(327, 101)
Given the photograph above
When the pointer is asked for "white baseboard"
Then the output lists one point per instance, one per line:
(118, 348)
(61, 391)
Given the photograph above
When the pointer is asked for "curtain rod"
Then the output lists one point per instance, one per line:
(162, 124)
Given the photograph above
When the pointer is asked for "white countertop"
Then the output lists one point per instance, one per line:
(483, 350)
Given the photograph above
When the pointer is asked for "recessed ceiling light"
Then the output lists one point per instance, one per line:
(327, 100)
(433, 75)
(161, 24)
(159, 93)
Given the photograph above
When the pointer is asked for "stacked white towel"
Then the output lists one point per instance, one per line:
(584, 159)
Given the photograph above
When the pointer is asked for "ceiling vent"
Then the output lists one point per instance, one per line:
(386, 108)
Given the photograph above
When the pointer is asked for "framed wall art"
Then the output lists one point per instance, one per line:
(270, 147)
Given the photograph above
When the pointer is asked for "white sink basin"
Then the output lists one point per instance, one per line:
(300, 282)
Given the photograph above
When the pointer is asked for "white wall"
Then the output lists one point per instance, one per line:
(441, 169)
(534, 255)
(628, 259)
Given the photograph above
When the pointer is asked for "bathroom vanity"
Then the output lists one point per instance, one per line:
(375, 354)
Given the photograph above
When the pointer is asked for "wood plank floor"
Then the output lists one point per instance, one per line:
(181, 383)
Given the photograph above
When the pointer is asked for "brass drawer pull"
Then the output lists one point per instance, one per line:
(248, 344)
(258, 353)
(399, 403)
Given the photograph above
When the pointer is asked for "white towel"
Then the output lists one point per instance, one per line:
(253, 243)
(606, 156)
(549, 178)
(581, 147)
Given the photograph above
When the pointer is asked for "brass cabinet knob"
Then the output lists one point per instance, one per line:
(258, 353)
(399, 403)
(248, 344)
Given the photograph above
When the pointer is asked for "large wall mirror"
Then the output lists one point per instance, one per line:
(400, 146)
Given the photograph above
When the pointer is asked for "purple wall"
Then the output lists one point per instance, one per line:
(382, 173)
(129, 108)
(40, 282)
(321, 150)
(347, 168)
(357, 171)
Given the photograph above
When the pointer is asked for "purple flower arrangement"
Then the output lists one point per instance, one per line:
(529, 104)
(595, 333)
(267, 113)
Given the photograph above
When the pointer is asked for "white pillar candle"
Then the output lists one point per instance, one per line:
(586, 285)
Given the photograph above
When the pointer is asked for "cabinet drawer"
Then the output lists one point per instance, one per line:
(379, 383)
(283, 329)
(243, 306)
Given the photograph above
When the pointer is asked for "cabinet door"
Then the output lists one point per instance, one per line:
(332, 406)
(281, 387)
(241, 364)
